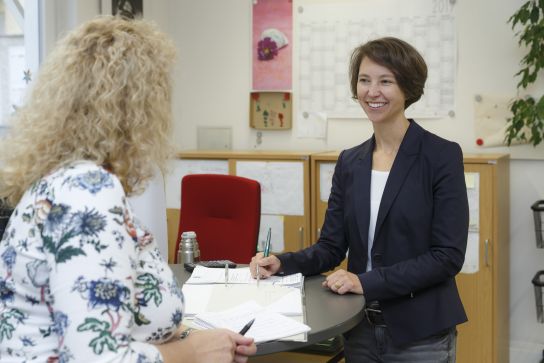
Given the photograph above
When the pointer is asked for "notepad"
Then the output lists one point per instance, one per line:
(201, 298)
(268, 325)
(204, 275)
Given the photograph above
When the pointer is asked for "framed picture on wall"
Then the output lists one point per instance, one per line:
(271, 45)
(126, 8)
(270, 110)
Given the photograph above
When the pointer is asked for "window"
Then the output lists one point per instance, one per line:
(19, 52)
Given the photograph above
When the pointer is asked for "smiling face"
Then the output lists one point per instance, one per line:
(378, 93)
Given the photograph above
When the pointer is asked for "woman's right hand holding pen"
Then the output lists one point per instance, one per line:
(221, 345)
(211, 345)
(268, 266)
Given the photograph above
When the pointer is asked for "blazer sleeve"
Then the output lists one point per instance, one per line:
(447, 239)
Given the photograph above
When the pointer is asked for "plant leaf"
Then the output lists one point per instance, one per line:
(93, 324)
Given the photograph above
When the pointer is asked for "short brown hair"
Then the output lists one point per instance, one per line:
(399, 57)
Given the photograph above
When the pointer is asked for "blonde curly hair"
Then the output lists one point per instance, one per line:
(103, 95)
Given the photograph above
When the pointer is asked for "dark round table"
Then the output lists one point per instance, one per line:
(327, 313)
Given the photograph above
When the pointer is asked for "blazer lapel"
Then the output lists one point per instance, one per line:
(361, 179)
(407, 154)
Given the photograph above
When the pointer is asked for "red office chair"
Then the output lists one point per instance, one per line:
(225, 213)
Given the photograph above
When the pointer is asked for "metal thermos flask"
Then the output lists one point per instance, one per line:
(188, 251)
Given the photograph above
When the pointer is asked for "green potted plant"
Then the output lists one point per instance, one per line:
(528, 112)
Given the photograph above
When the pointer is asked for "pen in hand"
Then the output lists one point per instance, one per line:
(246, 327)
(267, 245)
(266, 253)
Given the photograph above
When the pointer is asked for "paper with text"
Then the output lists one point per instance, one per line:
(200, 298)
(279, 299)
(267, 326)
(242, 275)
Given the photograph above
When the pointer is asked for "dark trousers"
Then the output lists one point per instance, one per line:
(370, 341)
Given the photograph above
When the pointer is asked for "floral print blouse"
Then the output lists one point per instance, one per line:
(80, 280)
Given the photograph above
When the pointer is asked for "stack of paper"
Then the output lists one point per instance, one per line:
(267, 326)
(217, 297)
(207, 275)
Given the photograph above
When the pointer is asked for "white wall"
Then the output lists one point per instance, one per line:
(213, 82)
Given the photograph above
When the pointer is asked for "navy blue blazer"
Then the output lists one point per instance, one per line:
(420, 236)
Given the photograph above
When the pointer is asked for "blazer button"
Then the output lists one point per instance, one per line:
(377, 258)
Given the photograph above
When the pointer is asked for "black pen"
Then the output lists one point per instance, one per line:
(246, 327)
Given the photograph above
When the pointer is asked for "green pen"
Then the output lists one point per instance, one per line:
(266, 252)
(267, 245)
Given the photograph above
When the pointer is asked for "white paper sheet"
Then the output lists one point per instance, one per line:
(196, 298)
(472, 256)
(240, 275)
(217, 297)
(326, 170)
(275, 223)
(266, 327)
(313, 124)
(180, 168)
(491, 114)
(472, 181)
(279, 299)
(282, 185)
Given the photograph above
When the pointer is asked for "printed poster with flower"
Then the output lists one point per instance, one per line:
(272, 45)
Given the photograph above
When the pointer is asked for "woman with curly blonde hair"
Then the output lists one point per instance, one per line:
(80, 278)
(103, 95)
